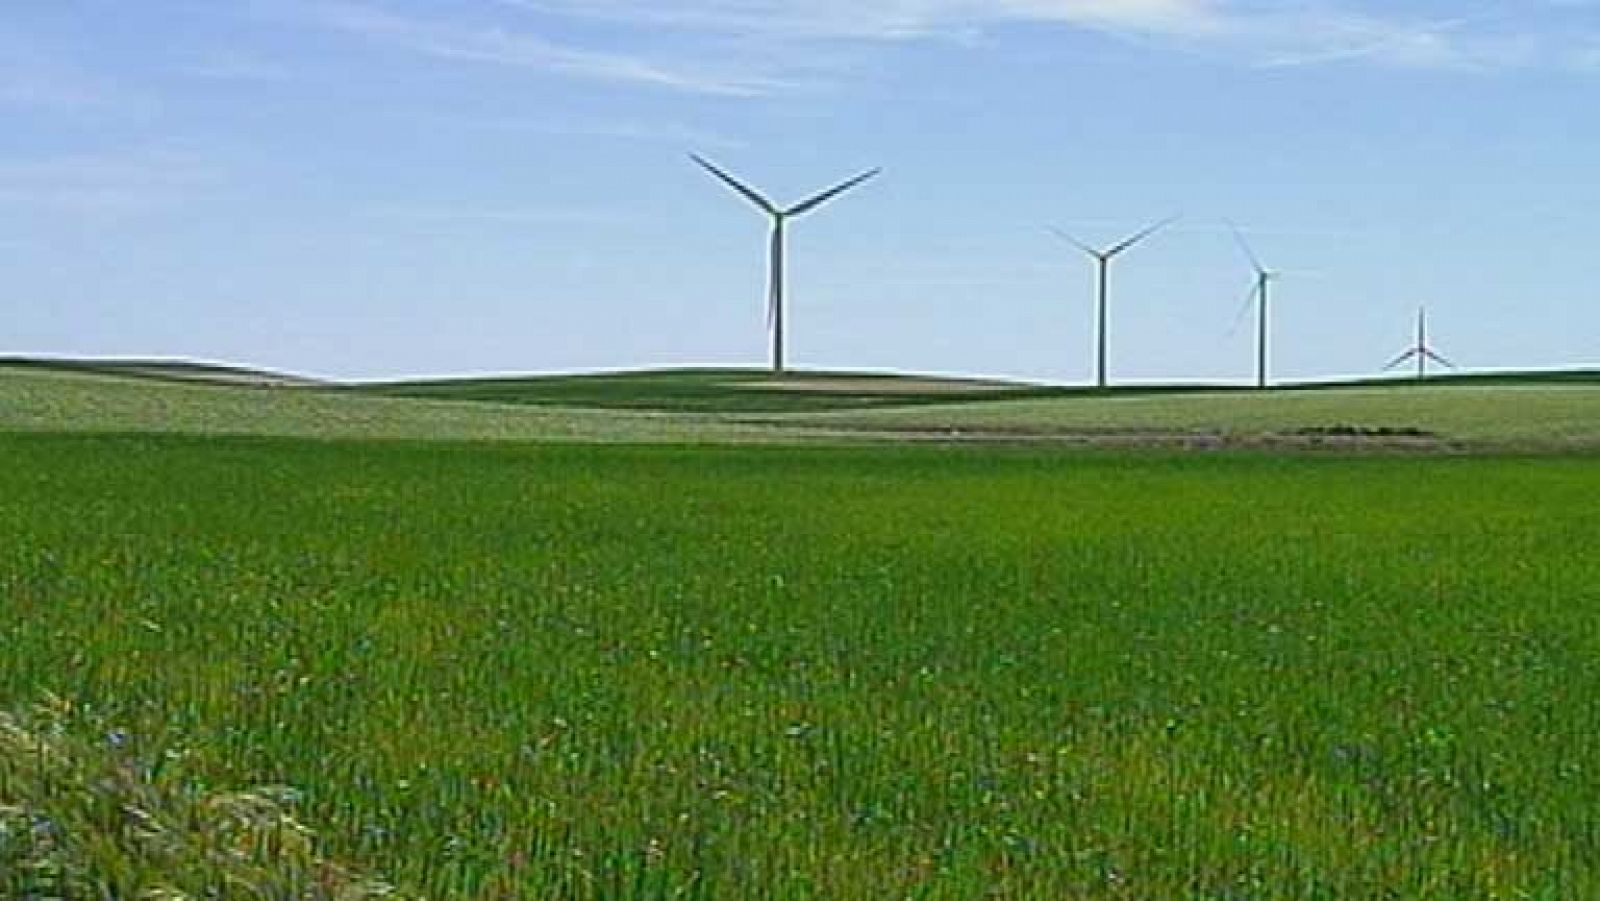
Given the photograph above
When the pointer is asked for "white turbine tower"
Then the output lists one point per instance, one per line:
(1103, 258)
(1261, 295)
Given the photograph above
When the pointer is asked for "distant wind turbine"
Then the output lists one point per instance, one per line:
(1421, 352)
(780, 220)
(1103, 258)
(1261, 295)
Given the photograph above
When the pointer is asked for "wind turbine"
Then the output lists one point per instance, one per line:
(1261, 295)
(1103, 258)
(780, 220)
(1421, 352)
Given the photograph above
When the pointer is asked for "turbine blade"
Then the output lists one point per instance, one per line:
(1248, 252)
(1141, 236)
(744, 190)
(807, 206)
(1075, 242)
(1440, 360)
(1244, 310)
(1406, 357)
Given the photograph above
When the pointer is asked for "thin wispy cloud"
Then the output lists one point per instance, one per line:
(756, 48)
(897, 20)
(674, 134)
(496, 43)
(1330, 37)
(1282, 34)
(433, 217)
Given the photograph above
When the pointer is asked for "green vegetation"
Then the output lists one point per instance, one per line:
(582, 671)
(51, 400)
(80, 818)
(1532, 417)
(174, 370)
(1543, 412)
(711, 390)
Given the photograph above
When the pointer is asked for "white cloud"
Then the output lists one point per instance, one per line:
(760, 47)
(630, 131)
(889, 19)
(497, 44)
(436, 216)
(1283, 33)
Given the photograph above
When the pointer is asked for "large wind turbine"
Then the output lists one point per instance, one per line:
(1103, 258)
(1261, 295)
(780, 220)
(1421, 352)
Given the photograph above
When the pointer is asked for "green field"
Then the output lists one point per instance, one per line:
(659, 671)
(724, 391)
(1548, 412)
(1532, 416)
(68, 400)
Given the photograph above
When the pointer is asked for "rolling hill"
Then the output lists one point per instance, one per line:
(1521, 411)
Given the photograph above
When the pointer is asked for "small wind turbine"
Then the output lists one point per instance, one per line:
(1421, 352)
(1261, 295)
(1103, 258)
(780, 220)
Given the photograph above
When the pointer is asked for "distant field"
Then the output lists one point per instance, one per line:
(1533, 416)
(174, 370)
(710, 390)
(602, 672)
(1549, 412)
(64, 401)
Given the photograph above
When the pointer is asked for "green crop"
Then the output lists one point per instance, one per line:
(580, 671)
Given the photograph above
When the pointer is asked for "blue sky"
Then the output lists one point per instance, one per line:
(369, 188)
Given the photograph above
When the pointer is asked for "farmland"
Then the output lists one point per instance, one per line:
(1464, 414)
(543, 670)
(1545, 413)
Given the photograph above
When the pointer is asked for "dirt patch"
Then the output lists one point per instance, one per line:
(1126, 439)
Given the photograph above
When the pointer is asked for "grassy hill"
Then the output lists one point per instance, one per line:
(1526, 416)
(175, 370)
(1532, 411)
(52, 399)
(711, 390)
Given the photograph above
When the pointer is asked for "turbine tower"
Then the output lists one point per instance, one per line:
(1103, 258)
(1261, 295)
(1421, 352)
(780, 220)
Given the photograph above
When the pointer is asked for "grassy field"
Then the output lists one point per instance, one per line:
(1530, 416)
(36, 399)
(584, 671)
(1542, 412)
(158, 369)
(740, 391)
